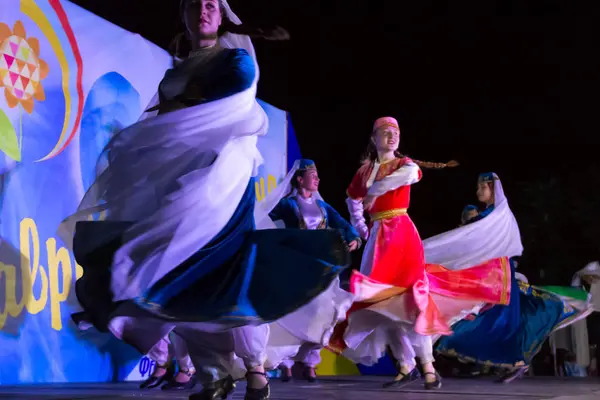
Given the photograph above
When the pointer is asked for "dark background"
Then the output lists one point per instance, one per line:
(509, 87)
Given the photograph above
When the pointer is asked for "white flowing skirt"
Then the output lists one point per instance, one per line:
(391, 323)
(313, 323)
(180, 177)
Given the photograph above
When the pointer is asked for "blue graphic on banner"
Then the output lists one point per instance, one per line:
(111, 105)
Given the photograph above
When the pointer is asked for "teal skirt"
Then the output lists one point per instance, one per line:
(510, 335)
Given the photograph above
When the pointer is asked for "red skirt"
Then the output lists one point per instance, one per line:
(430, 296)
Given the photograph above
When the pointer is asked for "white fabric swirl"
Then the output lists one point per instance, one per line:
(496, 235)
(163, 175)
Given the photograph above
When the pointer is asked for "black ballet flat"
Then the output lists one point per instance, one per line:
(308, 376)
(154, 381)
(405, 380)
(174, 385)
(258, 394)
(514, 375)
(286, 374)
(437, 384)
(218, 390)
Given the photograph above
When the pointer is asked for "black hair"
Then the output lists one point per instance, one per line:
(370, 154)
(294, 182)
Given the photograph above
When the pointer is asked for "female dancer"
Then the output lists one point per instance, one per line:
(179, 250)
(510, 335)
(300, 336)
(402, 301)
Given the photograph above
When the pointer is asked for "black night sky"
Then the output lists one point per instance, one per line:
(509, 87)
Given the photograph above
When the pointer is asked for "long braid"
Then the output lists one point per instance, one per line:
(435, 165)
(370, 155)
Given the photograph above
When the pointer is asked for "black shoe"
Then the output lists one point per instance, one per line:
(173, 384)
(437, 384)
(257, 394)
(218, 390)
(514, 375)
(309, 374)
(154, 381)
(286, 374)
(406, 379)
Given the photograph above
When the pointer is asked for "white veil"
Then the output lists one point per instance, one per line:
(180, 177)
(264, 207)
(233, 41)
(496, 235)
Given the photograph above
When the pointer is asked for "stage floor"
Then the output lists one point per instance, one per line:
(340, 388)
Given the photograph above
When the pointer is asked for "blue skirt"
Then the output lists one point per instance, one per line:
(242, 276)
(507, 336)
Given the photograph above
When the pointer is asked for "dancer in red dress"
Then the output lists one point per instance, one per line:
(401, 301)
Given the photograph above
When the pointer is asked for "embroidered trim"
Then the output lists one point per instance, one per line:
(506, 282)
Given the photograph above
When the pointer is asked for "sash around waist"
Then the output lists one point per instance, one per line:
(395, 212)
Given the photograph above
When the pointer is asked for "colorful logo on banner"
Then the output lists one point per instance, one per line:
(21, 74)
(23, 71)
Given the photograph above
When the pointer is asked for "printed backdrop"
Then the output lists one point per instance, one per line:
(68, 81)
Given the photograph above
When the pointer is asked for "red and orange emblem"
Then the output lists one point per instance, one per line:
(21, 68)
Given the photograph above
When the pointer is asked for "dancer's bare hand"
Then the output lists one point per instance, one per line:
(277, 33)
(353, 245)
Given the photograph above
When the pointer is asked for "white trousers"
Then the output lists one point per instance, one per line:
(171, 346)
(309, 354)
(406, 344)
(213, 352)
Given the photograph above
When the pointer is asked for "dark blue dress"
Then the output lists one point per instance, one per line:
(288, 211)
(243, 276)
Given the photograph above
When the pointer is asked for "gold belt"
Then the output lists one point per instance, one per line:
(389, 214)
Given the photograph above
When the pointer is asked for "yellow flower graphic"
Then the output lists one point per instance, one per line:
(21, 68)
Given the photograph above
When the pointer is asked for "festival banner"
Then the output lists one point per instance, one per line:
(69, 80)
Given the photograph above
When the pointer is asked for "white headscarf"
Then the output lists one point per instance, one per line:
(496, 235)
